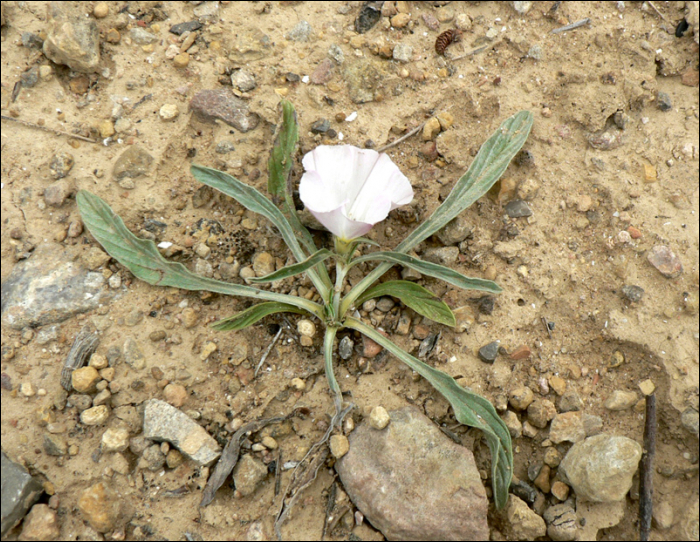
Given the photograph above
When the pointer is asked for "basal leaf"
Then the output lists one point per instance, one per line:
(291, 270)
(252, 314)
(470, 409)
(142, 258)
(253, 200)
(432, 270)
(283, 149)
(416, 297)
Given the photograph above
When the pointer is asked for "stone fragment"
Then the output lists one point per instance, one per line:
(518, 208)
(133, 163)
(322, 73)
(301, 32)
(115, 439)
(162, 421)
(221, 104)
(175, 394)
(647, 387)
(50, 287)
(560, 490)
(97, 415)
(363, 79)
(57, 193)
(489, 352)
(567, 427)
(100, 506)
(633, 293)
(431, 129)
(600, 468)
(379, 418)
(521, 352)
(662, 515)
(339, 446)
(403, 53)
(263, 264)
(561, 522)
(61, 164)
(345, 348)
(515, 427)
(41, 523)
(456, 231)
(521, 397)
(440, 497)
(84, 379)
(168, 112)
(665, 261)
(243, 80)
(72, 40)
(523, 523)
(20, 491)
(540, 412)
(248, 474)
(442, 255)
(621, 400)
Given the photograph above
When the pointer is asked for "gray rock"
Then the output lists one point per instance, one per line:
(320, 126)
(633, 293)
(592, 425)
(20, 491)
(301, 32)
(248, 474)
(142, 36)
(403, 52)
(221, 104)
(47, 334)
(362, 78)
(162, 421)
(441, 255)
(561, 522)
(57, 193)
(189, 26)
(413, 483)
(663, 101)
(31, 40)
(518, 208)
(523, 523)
(133, 355)
(621, 400)
(55, 445)
(600, 468)
(133, 163)
(30, 78)
(570, 401)
(72, 40)
(152, 458)
(345, 347)
(540, 411)
(456, 231)
(207, 11)
(489, 352)
(50, 287)
(690, 420)
(61, 164)
(336, 53)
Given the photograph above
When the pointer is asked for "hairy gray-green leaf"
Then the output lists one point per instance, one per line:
(142, 258)
(416, 297)
(253, 200)
(282, 153)
(488, 166)
(294, 269)
(248, 317)
(432, 270)
(470, 409)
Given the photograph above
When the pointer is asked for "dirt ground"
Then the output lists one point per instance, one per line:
(566, 264)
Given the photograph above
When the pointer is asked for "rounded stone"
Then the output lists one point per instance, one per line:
(181, 60)
(379, 418)
(306, 328)
(101, 10)
(600, 468)
(298, 384)
(115, 440)
(169, 112)
(339, 446)
(540, 412)
(521, 397)
(263, 264)
(95, 415)
(175, 394)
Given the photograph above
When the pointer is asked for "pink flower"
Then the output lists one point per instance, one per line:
(349, 190)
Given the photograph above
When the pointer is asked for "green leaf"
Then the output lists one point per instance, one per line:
(470, 409)
(248, 317)
(142, 258)
(253, 200)
(282, 153)
(295, 269)
(488, 166)
(416, 297)
(432, 270)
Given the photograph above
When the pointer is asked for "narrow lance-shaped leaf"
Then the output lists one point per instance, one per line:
(432, 270)
(488, 166)
(423, 301)
(294, 269)
(253, 200)
(470, 409)
(248, 317)
(142, 258)
(282, 153)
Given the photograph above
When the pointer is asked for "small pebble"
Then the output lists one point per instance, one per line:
(489, 352)
(647, 386)
(339, 446)
(306, 328)
(345, 348)
(95, 416)
(521, 397)
(370, 348)
(207, 350)
(181, 60)
(431, 129)
(26, 389)
(540, 412)
(101, 10)
(521, 352)
(665, 261)
(320, 126)
(298, 384)
(379, 418)
(560, 490)
(621, 400)
(518, 208)
(169, 112)
(663, 101)
(633, 293)
(175, 394)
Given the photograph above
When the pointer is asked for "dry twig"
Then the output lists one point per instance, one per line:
(646, 482)
(47, 129)
(402, 138)
(571, 26)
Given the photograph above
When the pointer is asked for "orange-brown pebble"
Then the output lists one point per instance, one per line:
(634, 232)
(521, 352)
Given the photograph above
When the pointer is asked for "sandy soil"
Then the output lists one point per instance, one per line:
(567, 263)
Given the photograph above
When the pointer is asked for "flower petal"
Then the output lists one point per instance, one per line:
(339, 225)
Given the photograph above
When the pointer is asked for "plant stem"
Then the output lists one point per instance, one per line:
(328, 342)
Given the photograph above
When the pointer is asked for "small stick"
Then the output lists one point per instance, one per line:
(656, 10)
(571, 26)
(84, 345)
(546, 326)
(402, 138)
(267, 352)
(47, 129)
(476, 51)
(646, 482)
